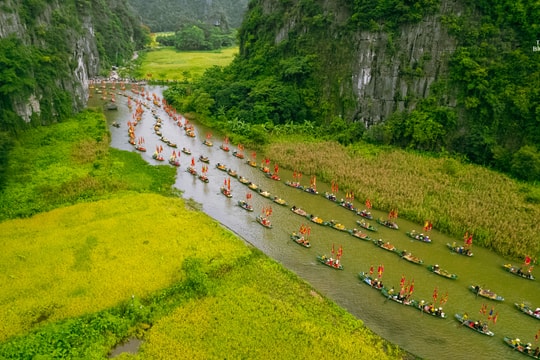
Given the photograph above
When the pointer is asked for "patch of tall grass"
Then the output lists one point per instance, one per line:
(457, 197)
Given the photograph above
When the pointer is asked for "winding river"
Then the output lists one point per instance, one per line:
(418, 333)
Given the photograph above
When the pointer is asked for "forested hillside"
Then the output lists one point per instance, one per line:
(168, 15)
(454, 76)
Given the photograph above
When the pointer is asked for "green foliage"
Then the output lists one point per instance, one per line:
(526, 163)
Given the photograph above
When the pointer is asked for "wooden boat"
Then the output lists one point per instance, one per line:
(174, 161)
(524, 348)
(273, 176)
(224, 147)
(429, 309)
(441, 272)
(264, 221)
(191, 170)
(399, 298)
(300, 240)
(264, 193)
(299, 211)
(140, 147)
(251, 163)
(204, 159)
(385, 245)
(335, 225)
(419, 236)
(294, 184)
(316, 219)
(331, 262)
(368, 280)
(203, 178)
(366, 225)
(245, 205)
(485, 293)
(232, 173)
(158, 156)
(243, 180)
(459, 249)
(279, 201)
(252, 186)
(389, 224)
(477, 326)
(221, 166)
(311, 190)
(186, 151)
(265, 169)
(516, 270)
(225, 191)
(365, 214)
(348, 205)
(238, 154)
(411, 258)
(359, 234)
(208, 142)
(115, 124)
(528, 310)
(330, 196)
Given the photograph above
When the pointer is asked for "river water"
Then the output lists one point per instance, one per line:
(418, 333)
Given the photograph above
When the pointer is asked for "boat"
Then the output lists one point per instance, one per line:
(316, 219)
(243, 180)
(441, 272)
(245, 205)
(411, 258)
(221, 166)
(369, 280)
(158, 156)
(174, 160)
(251, 163)
(419, 236)
(115, 124)
(429, 309)
(279, 201)
(204, 159)
(191, 170)
(516, 270)
(294, 184)
(364, 224)
(528, 310)
(252, 186)
(238, 154)
(478, 326)
(459, 249)
(264, 193)
(330, 196)
(331, 262)
(232, 173)
(335, 225)
(359, 234)
(186, 151)
(524, 348)
(401, 298)
(299, 211)
(273, 176)
(388, 223)
(311, 190)
(226, 192)
(365, 214)
(225, 145)
(300, 239)
(385, 245)
(208, 142)
(348, 205)
(203, 178)
(485, 293)
(264, 221)
(140, 145)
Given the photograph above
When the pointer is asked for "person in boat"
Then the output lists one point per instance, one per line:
(379, 242)
(436, 268)
(465, 317)
(537, 352)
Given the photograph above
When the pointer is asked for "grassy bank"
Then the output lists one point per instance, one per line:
(97, 249)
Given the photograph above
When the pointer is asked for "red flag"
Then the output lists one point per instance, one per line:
(495, 317)
(411, 288)
(535, 336)
(332, 249)
(340, 251)
(527, 260)
(309, 231)
(276, 168)
(368, 204)
(435, 294)
(402, 282)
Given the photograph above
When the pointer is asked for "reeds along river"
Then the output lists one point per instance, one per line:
(419, 333)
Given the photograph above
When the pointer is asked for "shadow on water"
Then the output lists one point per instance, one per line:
(131, 347)
(416, 332)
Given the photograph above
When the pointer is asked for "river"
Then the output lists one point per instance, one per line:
(418, 333)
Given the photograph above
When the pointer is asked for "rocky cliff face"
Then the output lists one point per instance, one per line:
(368, 75)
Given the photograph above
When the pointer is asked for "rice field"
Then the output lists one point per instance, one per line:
(169, 64)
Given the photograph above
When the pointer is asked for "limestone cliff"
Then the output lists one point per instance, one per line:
(55, 47)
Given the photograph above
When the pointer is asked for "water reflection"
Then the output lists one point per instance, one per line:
(419, 333)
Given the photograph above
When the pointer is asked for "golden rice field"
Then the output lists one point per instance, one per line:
(89, 257)
(169, 64)
(456, 197)
(278, 318)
